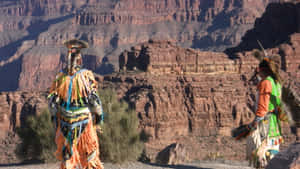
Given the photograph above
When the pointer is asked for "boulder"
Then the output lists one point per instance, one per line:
(172, 154)
(287, 159)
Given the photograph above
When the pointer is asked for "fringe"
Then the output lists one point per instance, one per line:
(87, 145)
(260, 150)
(79, 90)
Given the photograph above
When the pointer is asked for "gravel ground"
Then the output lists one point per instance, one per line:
(138, 165)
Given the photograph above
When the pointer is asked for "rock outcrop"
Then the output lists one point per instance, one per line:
(183, 94)
(172, 155)
(165, 58)
(16, 106)
(14, 109)
(287, 159)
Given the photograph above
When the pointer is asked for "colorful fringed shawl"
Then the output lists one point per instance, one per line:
(73, 90)
(72, 97)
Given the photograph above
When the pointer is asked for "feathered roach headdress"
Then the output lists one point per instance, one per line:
(74, 57)
(271, 64)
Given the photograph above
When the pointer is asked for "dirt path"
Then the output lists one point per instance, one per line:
(138, 165)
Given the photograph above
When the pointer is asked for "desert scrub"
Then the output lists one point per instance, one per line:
(120, 140)
(37, 138)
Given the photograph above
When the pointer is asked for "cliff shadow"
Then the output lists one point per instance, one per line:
(34, 31)
(105, 67)
(203, 42)
(11, 71)
(221, 21)
(10, 74)
(274, 27)
(89, 62)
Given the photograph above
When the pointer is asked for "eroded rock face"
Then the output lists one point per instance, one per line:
(279, 21)
(209, 103)
(164, 57)
(148, 12)
(196, 95)
(195, 108)
(180, 95)
(16, 106)
(31, 42)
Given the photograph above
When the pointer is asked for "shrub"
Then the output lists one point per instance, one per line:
(119, 142)
(37, 138)
(120, 139)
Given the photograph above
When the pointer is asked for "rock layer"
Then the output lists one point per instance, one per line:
(195, 108)
(16, 106)
(279, 21)
(34, 37)
(196, 95)
(180, 95)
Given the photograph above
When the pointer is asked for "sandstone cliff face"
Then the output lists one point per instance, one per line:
(39, 7)
(164, 57)
(192, 106)
(279, 21)
(185, 95)
(110, 27)
(14, 109)
(148, 12)
(15, 106)
(194, 99)
(180, 95)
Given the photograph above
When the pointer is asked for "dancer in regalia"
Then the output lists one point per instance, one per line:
(76, 109)
(266, 136)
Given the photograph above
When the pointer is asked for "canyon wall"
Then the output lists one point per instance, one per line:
(181, 95)
(195, 100)
(32, 32)
(195, 96)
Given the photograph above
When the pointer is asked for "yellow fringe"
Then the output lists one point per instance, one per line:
(61, 86)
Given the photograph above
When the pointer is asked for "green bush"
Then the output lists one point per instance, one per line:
(37, 138)
(119, 142)
(120, 139)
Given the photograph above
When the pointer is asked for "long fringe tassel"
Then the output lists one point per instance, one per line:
(87, 145)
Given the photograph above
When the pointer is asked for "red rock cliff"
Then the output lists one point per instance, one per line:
(197, 105)
(147, 12)
(110, 27)
(185, 95)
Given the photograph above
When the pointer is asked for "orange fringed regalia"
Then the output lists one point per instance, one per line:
(74, 103)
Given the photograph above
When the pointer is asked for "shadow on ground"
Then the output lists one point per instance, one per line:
(176, 166)
(23, 163)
